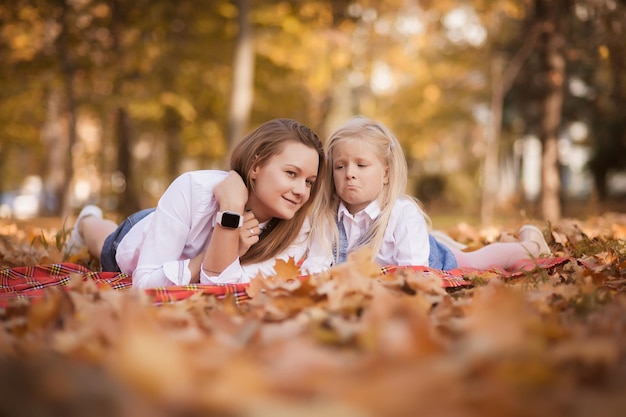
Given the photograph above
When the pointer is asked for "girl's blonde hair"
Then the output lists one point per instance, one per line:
(387, 147)
(256, 149)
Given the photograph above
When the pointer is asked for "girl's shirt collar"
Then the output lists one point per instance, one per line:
(372, 211)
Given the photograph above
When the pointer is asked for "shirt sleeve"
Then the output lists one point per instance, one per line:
(409, 234)
(236, 273)
(161, 260)
(233, 274)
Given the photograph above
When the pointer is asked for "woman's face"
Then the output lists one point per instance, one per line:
(283, 184)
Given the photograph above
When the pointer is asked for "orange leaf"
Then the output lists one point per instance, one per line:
(286, 270)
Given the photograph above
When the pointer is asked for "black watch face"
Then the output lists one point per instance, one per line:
(230, 220)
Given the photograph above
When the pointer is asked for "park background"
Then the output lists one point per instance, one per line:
(505, 109)
(508, 111)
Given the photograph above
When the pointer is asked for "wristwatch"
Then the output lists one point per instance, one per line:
(229, 219)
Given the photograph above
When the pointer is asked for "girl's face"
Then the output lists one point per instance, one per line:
(283, 184)
(358, 173)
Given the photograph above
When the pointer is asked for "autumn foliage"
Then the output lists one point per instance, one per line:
(346, 343)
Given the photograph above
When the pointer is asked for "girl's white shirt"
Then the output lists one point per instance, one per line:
(405, 240)
(157, 250)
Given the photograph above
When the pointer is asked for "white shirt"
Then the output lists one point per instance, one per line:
(157, 250)
(405, 241)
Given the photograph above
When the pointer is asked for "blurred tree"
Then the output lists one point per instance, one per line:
(242, 85)
(503, 74)
(570, 80)
(302, 53)
(552, 15)
(119, 21)
(420, 69)
(609, 121)
(153, 84)
(26, 84)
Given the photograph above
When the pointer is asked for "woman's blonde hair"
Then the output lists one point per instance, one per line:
(256, 149)
(387, 147)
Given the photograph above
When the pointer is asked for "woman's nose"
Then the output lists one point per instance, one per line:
(300, 187)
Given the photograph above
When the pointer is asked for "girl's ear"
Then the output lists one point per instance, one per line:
(386, 176)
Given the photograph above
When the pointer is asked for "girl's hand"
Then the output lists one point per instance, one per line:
(231, 194)
(249, 234)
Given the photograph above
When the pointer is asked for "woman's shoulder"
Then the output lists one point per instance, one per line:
(197, 185)
(201, 177)
(204, 175)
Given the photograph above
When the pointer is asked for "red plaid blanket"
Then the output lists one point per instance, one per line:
(30, 282)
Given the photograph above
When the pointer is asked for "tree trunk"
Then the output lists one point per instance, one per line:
(55, 143)
(243, 76)
(68, 71)
(492, 144)
(172, 125)
(128, 201)
(502, 79)
(551, 14)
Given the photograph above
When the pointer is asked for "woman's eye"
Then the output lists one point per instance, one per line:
(310, 183)
(291, 173)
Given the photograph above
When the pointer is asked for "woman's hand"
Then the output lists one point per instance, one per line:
(231, 194)
(249, 234)
(225, 245)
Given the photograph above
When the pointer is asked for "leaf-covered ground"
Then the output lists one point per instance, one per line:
(346, 343)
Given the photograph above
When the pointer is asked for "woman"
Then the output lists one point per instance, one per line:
(217, 227)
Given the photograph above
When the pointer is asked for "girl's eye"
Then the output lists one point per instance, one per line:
(309, 183)
(291, 173)
(338, 166)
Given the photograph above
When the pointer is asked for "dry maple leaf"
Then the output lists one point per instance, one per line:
(286, 270)
(286, 276)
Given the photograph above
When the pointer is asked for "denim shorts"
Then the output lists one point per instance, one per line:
(440, 257)
(109, 248)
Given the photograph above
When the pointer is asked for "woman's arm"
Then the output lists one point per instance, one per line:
(158, 252)
(169, 248)
(223, 249)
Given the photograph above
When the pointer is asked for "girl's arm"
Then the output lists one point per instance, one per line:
(409, 234)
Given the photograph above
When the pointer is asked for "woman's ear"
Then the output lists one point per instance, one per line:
(386, 176)
(255, 169)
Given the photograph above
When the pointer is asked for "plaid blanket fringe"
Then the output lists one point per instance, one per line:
(30, 282)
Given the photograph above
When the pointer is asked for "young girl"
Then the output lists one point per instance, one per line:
(363, 203)
(217, 227)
